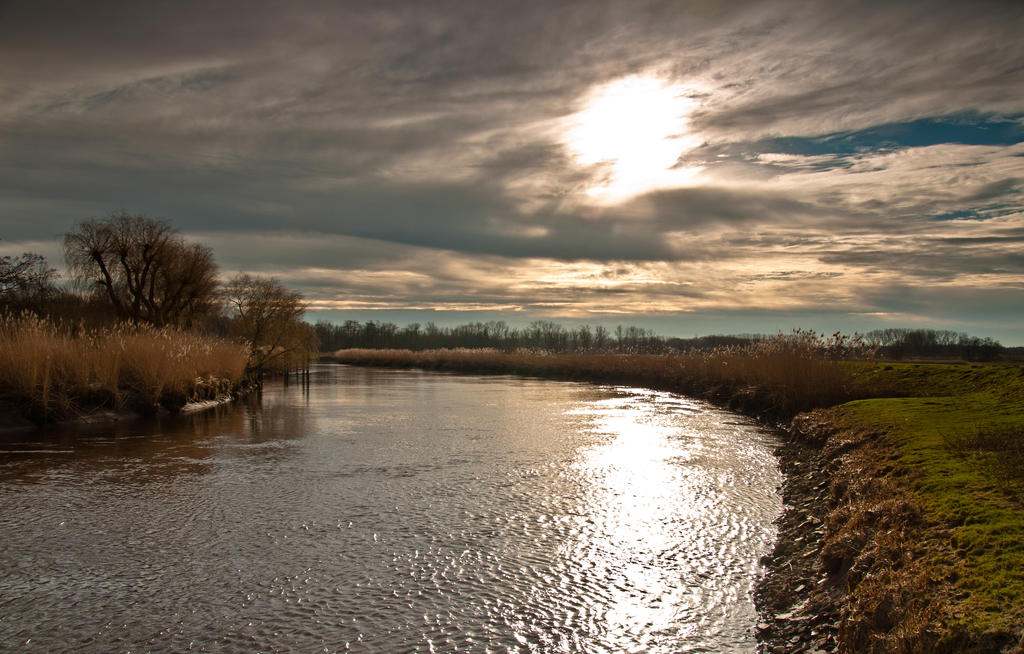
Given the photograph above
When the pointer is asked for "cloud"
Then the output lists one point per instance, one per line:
(413, 154)
(855, 65)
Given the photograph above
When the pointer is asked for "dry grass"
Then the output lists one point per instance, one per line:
(782, 376)
(52, 371)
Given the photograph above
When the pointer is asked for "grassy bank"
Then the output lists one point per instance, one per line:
(51, 372)
(925, 532)
(952, 576)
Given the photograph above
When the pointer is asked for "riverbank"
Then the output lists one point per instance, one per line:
(904, 491)
(773, 379)
(12, 420)
(926, 522)
(51, 373)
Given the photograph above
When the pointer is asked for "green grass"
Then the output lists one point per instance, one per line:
(945, 433)
(938, 379)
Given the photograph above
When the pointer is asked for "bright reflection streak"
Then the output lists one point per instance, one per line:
(637, 126)
(637, 483)
(667, 535)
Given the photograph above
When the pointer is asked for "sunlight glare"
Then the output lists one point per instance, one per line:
(637, 126)
(636, 477)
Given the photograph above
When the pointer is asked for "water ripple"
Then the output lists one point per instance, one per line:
(528, 516)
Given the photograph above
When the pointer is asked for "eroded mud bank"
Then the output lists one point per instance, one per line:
(858, 566)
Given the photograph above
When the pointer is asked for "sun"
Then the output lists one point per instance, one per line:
(637, 127)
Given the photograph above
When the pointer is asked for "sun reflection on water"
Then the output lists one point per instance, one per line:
(650, 496)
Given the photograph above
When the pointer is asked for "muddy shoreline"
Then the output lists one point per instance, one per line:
(798, 602)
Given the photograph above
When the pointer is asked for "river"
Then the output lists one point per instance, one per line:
(391, 511)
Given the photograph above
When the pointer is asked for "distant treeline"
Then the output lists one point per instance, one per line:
(552, 337)
(933, 343)
(539, 335)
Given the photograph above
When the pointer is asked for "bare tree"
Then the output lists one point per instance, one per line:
(144, 268)
(26, 282)
(268, 317)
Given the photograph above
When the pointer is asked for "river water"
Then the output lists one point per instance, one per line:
(391, 511)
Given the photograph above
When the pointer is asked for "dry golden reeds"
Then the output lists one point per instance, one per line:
(781, 375)
(54, 371)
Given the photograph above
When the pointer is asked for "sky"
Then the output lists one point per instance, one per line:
(691, 167)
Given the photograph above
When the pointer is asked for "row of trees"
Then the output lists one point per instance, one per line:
(134, 269)
(932, 343)
(552, 337)
(538, 335)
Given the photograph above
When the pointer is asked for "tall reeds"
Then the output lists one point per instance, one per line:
(782, 375)
(56, 371)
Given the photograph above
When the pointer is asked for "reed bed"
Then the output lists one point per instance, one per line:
(54, 371)
(780, 376)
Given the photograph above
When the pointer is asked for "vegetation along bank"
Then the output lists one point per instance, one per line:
(143, 324)
(904, 522)
(51, 373)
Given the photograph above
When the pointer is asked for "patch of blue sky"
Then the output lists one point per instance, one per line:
(981, 213)
(962, 129)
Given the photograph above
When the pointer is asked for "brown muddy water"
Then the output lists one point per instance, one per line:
(392, 511)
